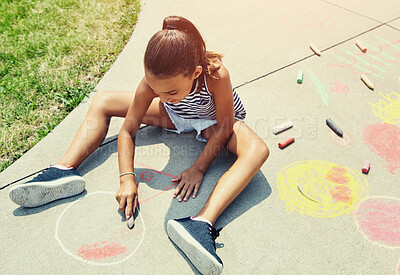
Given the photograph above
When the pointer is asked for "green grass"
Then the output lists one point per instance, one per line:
(52, 54)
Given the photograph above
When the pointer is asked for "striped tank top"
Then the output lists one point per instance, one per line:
(201, 105)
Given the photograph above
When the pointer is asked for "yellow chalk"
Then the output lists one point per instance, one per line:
(315, 49)
(367, 82)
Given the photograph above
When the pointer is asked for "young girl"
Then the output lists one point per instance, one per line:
(185, 88)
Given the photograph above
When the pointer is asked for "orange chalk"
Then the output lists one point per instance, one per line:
(361, 46)
(285, 143)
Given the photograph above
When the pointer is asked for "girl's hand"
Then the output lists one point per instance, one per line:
(127, 197)
(189, 180)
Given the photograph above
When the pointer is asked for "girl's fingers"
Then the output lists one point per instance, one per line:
(122, 204)
(129, 206)
(135, 204)
(196, 190)
(178, 189)
(177, 178)
(188, 192)
(183, 192)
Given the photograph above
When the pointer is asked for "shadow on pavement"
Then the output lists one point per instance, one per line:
(183, 151)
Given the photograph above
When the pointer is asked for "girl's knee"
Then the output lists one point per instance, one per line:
(259, 149)
(263, 149)
(100, 101)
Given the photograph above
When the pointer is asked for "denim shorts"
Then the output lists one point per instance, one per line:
(183, 125)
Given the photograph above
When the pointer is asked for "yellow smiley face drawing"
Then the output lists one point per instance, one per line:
(321, 189)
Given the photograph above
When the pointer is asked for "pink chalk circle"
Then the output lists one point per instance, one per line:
(378, 220)
(384, 140)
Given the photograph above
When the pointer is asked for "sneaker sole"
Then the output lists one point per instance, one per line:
(35, 194)
(197, 254)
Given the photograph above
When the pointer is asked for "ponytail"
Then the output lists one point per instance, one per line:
(178, 49)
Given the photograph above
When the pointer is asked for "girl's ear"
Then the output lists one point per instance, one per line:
(197, 72)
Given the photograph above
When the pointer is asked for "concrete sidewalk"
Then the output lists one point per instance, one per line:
(309, 210)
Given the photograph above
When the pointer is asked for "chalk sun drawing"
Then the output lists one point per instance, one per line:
(378, 220)
(388, 108)
(320, 189)
(384, 140)
(372, 62)
(88, 253)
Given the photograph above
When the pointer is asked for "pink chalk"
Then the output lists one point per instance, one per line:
(365, 167)
(285, 143)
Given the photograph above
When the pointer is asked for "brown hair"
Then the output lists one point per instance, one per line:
(178, 49)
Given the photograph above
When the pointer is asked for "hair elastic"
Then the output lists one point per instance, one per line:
(127, 173)
(170, 27)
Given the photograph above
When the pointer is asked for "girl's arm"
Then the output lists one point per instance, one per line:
(127, 192)
(223, 96)
(221, 89)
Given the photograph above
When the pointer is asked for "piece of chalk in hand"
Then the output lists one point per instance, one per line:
(130, 222)
(315, 49)
(367, 82)
(366, 167)
(361, 46)
(334, 127)
(285, 143)
(300, 77)
(282, 127)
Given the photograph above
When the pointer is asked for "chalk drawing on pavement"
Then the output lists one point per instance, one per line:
(378, 220)
(384, 140)
(320, 189)
(94, 252)
(376, 61)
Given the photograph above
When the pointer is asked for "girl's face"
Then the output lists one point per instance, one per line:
(172, 89)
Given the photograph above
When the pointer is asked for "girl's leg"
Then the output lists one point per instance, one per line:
(95, 125)
(196, 238)
(251, 153)
(60, 183)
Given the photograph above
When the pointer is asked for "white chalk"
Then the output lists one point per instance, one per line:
(315, 49)
(367, 82)
(282, 127)
(130, 222)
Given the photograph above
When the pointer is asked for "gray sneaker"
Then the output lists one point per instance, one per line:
(50, 185)
(197, 240)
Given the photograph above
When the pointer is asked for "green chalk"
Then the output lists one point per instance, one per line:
(300, 77)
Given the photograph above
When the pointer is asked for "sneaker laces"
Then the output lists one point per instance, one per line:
(214, 232)
(44, 170)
